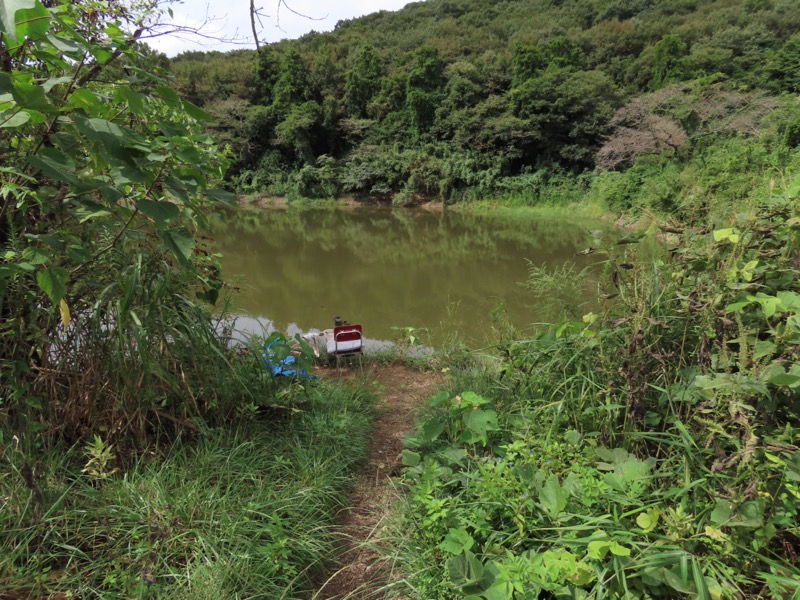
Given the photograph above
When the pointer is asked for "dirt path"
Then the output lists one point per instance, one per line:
(358, 574)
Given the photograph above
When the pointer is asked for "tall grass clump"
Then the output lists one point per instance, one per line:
(648, 450)
(242, 512)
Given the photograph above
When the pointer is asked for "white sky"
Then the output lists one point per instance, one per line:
(231, 18)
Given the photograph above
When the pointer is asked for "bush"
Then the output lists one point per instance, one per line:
(646, 451)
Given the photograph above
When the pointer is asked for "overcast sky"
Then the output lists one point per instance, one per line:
(231, 18)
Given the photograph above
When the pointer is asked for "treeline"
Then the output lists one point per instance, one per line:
(467, 99)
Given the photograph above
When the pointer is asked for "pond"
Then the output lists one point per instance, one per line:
(444, 273)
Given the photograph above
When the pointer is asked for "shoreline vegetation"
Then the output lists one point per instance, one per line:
(647, 450)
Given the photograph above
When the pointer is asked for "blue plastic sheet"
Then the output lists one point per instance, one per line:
(282, 367)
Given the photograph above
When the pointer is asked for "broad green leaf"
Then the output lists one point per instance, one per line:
(135, 100)
(457, 541)
(721, 234)
(769, 304)
(747, 270)
(438, 399)
(13, 117)
(648, 520)
(126, 174)
(30, 96)
(100, 54)
(55, 165)
(177, 187)
(33, 402)
(479, 423)
(54, 81)
(168, 94)
(431, 430)
(618, 549)
(34, 255)
(763, 348)
(583, 574)
(473, 399)
(102, 132)
(501, 590)
(614, 456)
(453, 455)
(464, 568)
(32, 23)
(45, 238)
(597, 549)
(196, 112)
(748, 515)
(87, 214)
(87, 100)
(410, 458)
(776, 374)
(737, 306)
(616, 481)
(180, 242)
(162, 213)
(728, 234)
(64, 45)
(789, 300)
(8, 11)
(53, 282)
(552, 497)
(188, 154)
(467, 572)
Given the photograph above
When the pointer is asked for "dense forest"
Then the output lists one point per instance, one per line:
(452, 100)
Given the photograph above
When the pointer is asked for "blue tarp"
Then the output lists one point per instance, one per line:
(285, 367)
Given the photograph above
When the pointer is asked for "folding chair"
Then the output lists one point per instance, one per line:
(347, 340)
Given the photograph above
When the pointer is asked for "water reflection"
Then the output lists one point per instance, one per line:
(384, 267)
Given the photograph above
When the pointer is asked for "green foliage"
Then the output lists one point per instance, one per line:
(649, 451)
(667, 62)
(362, 82)
(525, 86)
(106, 176)
(292, 86)
(424, 87)
(232, 512)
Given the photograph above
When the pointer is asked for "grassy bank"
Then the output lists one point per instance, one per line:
(647, 451)
(241, 511)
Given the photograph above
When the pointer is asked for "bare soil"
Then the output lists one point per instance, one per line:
(359, 573)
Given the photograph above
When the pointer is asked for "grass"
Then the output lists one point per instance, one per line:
(243, 512)
(518, 205)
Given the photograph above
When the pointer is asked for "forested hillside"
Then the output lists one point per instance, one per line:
(476, 98)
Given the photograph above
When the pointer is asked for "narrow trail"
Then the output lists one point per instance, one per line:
(358, 574)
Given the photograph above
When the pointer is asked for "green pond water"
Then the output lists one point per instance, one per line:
(442, 272)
